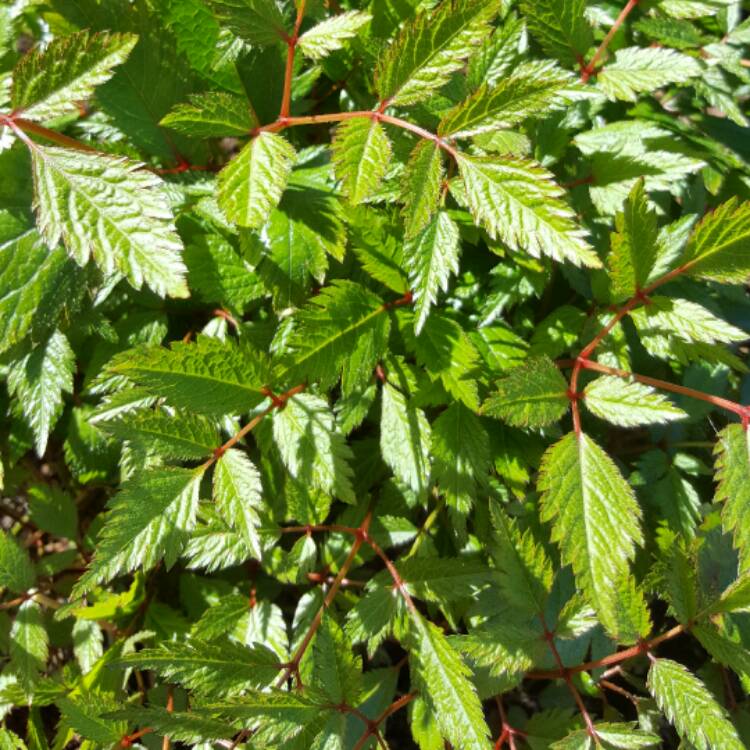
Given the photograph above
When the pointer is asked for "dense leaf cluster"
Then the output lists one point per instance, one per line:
(373, 374)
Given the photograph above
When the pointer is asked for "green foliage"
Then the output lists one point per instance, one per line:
(374, 374)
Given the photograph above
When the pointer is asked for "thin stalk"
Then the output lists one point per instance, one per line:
(588, 70)
(665, 385)
(286, 97)
(616, 658)
(373, 726)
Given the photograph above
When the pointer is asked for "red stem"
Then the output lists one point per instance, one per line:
(588, 70)
(286, 97)
(665, 385)
(616, 658)
(565, 673)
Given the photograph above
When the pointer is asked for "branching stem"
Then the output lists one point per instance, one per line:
(588, 70)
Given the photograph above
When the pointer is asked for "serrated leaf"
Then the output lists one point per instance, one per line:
(517, 201)
(150, 518)
(312, 447)
(34, 285)
(720, 245)
(421, 186)
(461, 450)
(38, 382)
(112, 209)
(49, 82)
(29, 644)
(258, 22)
(724, 650)
(179, 436)
(83, 713)
(87, 644)
(689, 705)
(180, 726)
(534, 88)
(430, 48)
(444, 579)
(214, 115)
(526, 572)
(595, 517)
(251, 185)
(443, 680)
(330, 35)
(559, 26)
(343, 332)
(644, 69)
(446, 351)
(16, 570)
(209, 376)
(210, 669)
(535, 394)
(610, 737)
(634, 245)
(664, 318)
(735, 598)
(239, 495)
(431, 258)
(337, 672)
(361, 154)
(732, 453)
(405, 438)
(628, 403)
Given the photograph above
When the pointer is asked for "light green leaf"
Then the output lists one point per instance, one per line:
(178, 436)
(209, 376)
(664, 318)
(534, 394)
(526, 572)
(150, 518)
(461, 450)
(430, 48)
(559, 26)
(342, 332)
(446, 351)
(330, 35)
(49, 82)
(29, 644)
(83, 712)
(361, 154)
(635, 245)
(517, 201)
(596, 519)
(444, 681)
(34, 285)
(405, 438)
(735, 598)
(258, 22)
(226, 668)
(251, 185)
(431, 258)
(645, 69)
(16, 570)
(628, 403)
(534, 88)
(87, 644)
(180, 726)
(720, 246)
(611, 737)
(312, 447)
(421, 185)
(689, 705)
(337, 671)
(239, 495)
(38, 382)
(112, 209)
(727, 652)
(214, 115)
(732, 453)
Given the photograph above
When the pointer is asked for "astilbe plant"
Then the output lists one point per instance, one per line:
(374, 376)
